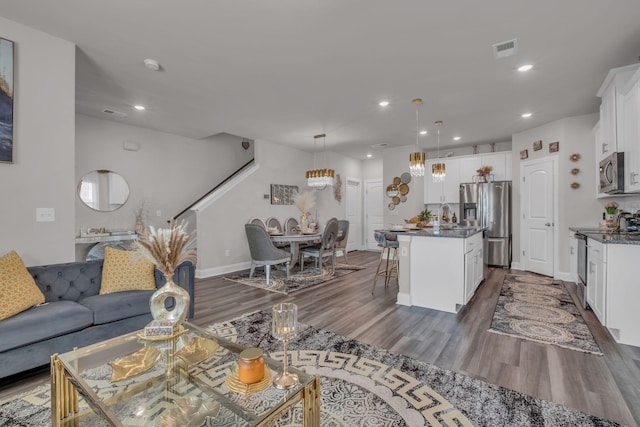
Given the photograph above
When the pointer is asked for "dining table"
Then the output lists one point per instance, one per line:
(295, 240)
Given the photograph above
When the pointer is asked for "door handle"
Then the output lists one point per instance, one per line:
(548, 224)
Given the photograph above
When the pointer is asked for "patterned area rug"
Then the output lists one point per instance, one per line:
(297, 281)
(538, 309)
(361, 385)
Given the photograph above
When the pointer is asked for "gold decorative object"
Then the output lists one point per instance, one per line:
(392, 190)
(337, 192)
(234, 383)
(397, 180)
(574, 157)
(438, 169)
(396, 200)
(284, 327)
(403, 189)
(197, 350)
(179, 331)
(251, 365)
(575, 185)
(134, 364)
(575, 171)
(417, 159)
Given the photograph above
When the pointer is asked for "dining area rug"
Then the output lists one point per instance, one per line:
(361, 385)
(297, 280)
(540, 309)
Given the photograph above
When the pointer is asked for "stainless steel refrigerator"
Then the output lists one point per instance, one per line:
(488, 205)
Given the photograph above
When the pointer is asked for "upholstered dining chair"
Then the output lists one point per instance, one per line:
(263, 252)
(291, 226)
(325, 248)
(257, 221)
(274, 222)
(343, 237)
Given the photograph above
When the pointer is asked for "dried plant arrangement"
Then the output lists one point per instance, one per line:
(167, 248)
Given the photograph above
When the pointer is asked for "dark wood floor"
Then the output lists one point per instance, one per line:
(607, 387)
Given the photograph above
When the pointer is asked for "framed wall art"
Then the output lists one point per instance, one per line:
(6, 100)
(524, 154)
(283, 194)
(537, 145)
(554, 147)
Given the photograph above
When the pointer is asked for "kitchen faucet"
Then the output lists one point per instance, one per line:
(444, 206)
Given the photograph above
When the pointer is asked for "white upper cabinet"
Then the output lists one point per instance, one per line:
(610, 110)
(499, 161)
(629, 138)
(447, 191)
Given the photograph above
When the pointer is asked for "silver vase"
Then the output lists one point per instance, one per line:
(181, 298)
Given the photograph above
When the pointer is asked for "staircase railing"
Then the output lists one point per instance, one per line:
(227, 179)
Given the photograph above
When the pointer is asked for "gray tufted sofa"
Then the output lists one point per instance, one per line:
(75, 314)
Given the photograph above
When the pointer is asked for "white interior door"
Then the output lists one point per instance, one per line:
(374, 215)
(354, 213)
(538, 216)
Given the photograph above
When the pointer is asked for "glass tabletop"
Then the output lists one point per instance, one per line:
(181, 381)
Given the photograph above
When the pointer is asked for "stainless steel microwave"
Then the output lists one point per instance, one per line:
(612, 174)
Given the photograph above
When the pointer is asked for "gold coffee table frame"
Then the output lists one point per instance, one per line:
(66, 383)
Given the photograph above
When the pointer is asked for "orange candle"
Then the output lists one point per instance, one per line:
(251, 366)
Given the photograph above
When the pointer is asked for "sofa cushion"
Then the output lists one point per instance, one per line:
(126, 271)
(117, 306)
(18, 289)
(43, 322)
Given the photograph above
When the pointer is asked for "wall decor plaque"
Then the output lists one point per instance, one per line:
(537, 145)
(283, 194)
(554, 147)
(6, 100)
(524, 154)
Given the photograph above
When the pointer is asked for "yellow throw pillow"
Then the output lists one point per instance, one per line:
(126, 271)
(17, 288)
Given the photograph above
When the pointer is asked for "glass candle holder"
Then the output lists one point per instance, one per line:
(285, 328)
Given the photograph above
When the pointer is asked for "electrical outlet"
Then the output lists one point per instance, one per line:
(45, 214)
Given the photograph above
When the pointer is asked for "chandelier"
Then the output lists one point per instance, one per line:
(417, 159)
(438, 171)
(320, 178)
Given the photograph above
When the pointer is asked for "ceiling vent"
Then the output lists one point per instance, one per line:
(114, 113)
(380, 145)
(504, 49)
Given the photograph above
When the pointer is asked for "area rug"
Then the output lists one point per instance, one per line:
(540, 309)
(297, 281)
(361, 385)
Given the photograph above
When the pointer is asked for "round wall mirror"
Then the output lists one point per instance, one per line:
(103, 190)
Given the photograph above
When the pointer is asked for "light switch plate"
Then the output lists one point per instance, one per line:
(45, 214)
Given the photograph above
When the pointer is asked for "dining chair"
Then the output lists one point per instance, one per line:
(257, 221)
(325, 248)
(274, 222)
(389, 244)
(291, 226)
(343, 237)
(263, 252)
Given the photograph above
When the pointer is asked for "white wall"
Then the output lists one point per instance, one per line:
(577, 207)
(42, 174)
(168, 173)
(372, 169)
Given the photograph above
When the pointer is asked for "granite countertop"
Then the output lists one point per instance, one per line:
(605, 235)
(455, 232)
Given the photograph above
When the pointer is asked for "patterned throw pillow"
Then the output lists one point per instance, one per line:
(18, 290)
(126, 271)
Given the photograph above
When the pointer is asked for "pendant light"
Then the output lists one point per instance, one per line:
(320, 178)
(438, 169)
(417, 159)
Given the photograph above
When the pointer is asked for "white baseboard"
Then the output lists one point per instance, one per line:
(404, 299)
(224, 269)
(567, 277)
(516, 266)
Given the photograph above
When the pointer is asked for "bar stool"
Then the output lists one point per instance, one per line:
(389, 244)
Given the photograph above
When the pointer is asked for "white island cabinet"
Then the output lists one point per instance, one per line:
(442, 271)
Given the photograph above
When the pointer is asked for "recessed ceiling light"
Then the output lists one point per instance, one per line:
(369, 156)
(383, 103)
(423, 132)
(456, 138)
(524, 68)
(526, 115)
(139, 107)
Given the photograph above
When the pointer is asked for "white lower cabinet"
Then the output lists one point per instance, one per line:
(473, 265)
(573, 257)
(596, 279)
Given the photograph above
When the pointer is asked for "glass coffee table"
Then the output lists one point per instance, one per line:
(183, 381)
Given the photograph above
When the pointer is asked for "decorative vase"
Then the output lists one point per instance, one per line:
(610, 221)
(139, 225)
(304, 222)
(178, 313)
(482, 178)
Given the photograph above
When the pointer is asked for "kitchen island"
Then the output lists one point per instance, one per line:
(440, 270)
